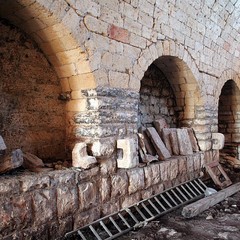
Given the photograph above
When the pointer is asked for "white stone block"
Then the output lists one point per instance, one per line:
(80, 157)
(217, 141)
(129, 158)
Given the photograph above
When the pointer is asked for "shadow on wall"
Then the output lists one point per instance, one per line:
(31, 116)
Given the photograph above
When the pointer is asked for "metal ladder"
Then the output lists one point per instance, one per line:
(119, 223)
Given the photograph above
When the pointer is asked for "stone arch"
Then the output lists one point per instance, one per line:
(183, 73)
(50, 24)
(228, 117)
(179, 68)
(225, 76)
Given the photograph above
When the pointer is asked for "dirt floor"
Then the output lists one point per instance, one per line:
(221, 221)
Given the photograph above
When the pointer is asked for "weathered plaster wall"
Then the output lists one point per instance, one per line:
(31, 116)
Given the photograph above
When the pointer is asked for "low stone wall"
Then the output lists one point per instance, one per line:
(47, 205)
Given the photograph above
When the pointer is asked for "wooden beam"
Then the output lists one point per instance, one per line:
(203, 204)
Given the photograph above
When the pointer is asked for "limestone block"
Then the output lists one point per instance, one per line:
(217, 141)
(15, 214)
(80, 157)
(130, 200)
(88, 195)
(119, 184)
(185, 145)
(136, 180)
(66, 200)
(103, 148)
(129, 158)
(44, 206)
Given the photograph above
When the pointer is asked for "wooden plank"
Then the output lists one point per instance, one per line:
(166, 139)
(185, 146)
(161, 149)
(174, 141)
(201, 205)
(218, 175)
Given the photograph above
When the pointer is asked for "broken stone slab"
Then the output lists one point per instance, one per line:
(217, 141)
(149, 146)
(80, 158)
(193, 140)
(127, 157)
(166, 139)
(31, 161)
(185, 146)
(161, 149)
(159, 124)
(8, 163)
(174, 141)
(201, 205)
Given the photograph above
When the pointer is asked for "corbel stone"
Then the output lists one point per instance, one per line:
(129, 158)
(217, 141)
(80, 157)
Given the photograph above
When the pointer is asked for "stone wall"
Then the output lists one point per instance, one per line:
(156, 99)
(31, 115)
(100, 51)
(46, 206)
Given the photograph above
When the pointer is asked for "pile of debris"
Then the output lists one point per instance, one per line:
(229, 161)
(16, 159)
(161, 142)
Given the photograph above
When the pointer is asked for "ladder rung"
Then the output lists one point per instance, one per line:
(81, 235)
(115, 224)
(160, 204)
(200, 182)
(141, 213)
(132, 216)
(94, 232)
(191, 190)
(195, 188)
(190, 195)
(153, 205)
(183, 195)
(171, 198)
(166, 201)
(105, 228)
(179, 199)
(124, 220)
(149, 212)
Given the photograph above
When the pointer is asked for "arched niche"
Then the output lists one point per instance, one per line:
(229, 117)
(169, 90)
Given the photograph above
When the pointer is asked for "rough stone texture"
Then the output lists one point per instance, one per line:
(185, 146)
(157, 99)
(31, 115)
(88, 195)
(100, 51)
(119, 184)
(136, 180)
